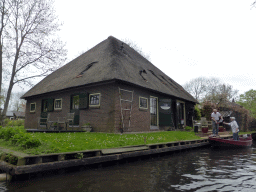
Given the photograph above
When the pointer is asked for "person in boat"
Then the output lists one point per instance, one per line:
(234, 128)
(216, 118)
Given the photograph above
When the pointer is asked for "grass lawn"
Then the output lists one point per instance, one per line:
(68, 142)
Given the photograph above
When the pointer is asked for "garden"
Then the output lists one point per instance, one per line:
(16, 138)
(13, 136)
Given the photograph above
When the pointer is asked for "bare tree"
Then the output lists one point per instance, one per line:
(2, 97)
(5, 7)
(212, 84)
(17, 104)
(196, 87)
(221, 94)
(212, 89)
(133, 45)
(30, 46)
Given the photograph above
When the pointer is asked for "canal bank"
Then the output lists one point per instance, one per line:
(16, 163)
(28, 164)
(197, 169)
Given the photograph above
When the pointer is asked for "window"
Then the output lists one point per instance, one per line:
(45, 105)
(154, 112)
(94, 100)
(57, 104)
(32, 107)
(181, 114)
(75, 102)
(143, 103)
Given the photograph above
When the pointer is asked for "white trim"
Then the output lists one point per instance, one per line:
(146, 100)
(56, 109)
(30, 107)
(157, 113)
(184, 111)
(91, 105)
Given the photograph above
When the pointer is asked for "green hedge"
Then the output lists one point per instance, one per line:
(7, 122)
(18, 136)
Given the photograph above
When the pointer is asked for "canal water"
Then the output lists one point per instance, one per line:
(203, 169)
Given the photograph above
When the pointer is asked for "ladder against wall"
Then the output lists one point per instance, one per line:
(126, 99)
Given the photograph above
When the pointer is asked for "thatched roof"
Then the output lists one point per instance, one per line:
(110, 60)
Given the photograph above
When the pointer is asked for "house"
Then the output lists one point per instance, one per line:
(113, 88)
(13, 115)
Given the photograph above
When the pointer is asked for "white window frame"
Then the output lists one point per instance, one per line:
(157, 113)
(55, 100)
(92, 105)
(147, 103)
(184, 111)
(32, 111)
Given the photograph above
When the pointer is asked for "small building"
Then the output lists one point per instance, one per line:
(113, 88)
(232, 109)
(13, 115)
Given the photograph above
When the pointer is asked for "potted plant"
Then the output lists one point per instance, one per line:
(87, 127)
(221, 129)
(204, 125)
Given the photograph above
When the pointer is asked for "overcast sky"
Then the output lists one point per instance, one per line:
(185, 38)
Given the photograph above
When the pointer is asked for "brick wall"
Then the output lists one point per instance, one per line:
(101, 119)
(107, 117)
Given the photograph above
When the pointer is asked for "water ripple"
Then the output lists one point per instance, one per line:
(223, 172)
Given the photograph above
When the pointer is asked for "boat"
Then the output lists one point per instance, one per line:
(254, 136)
(244, 141)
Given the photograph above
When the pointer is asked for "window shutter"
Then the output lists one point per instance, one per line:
(50, 105)
(165, 112)
(83, 100)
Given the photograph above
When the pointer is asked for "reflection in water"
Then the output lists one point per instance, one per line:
(195, 170)
(222, 170)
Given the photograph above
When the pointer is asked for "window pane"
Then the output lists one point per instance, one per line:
(32, 107)
(45, 105)
(95, 99)
(58, 103)
(75, 102)
(153, 111)
(143, 103)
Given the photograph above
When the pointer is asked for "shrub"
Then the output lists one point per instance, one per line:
(10, 158)
(207, 108)
(12, 123)
(7, 133)
(197, 113)
(6, 121)
(187, 128)
(18, 137)
(31, 143)
(6, 157)
(20, 122)
(13, 160)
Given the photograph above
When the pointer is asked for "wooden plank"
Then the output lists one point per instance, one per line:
(122, 150)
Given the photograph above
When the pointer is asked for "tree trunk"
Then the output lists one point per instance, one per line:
(1, 67)
(6, 104)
